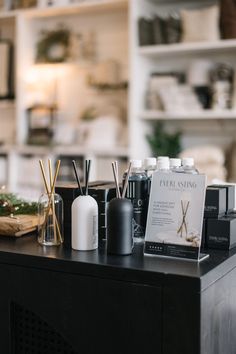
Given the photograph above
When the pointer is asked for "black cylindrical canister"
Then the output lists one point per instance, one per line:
(120, 227)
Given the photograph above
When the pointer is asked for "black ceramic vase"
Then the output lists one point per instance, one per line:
(120, 227)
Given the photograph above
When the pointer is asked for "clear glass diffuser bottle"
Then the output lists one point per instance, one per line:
(50, 222)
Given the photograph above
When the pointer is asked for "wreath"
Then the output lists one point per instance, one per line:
(53, 47)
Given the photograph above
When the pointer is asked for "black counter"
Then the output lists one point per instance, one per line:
(94, 303)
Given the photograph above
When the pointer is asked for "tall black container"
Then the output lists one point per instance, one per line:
(120, 227)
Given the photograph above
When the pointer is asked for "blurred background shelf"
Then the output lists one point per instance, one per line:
(72, 150)
(201, 115)
(7, 104)
(7, 14)
(91, 6)
(188, 48)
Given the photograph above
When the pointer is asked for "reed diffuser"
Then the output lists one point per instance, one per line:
(120, 218)
(50, 209)
(84, 216)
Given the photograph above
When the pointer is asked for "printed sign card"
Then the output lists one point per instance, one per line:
(175, 215)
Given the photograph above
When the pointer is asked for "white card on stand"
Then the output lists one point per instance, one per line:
(175, 215)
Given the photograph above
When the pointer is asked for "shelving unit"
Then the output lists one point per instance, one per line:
(25, 26)
(118, 41)
(146, 60)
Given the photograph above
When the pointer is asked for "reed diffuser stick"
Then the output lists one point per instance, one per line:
(117, 177)
(44, 176)
(116, 180)
(87, 173)
(126, 180)
(53, 199)
(77, 177)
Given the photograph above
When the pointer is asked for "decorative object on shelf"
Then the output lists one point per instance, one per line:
(209, 159)
(84, 216)
(222, 76)
(163, 143)
(110, 87)
(83, 47)
(120, 219)
(228, 19)
(64, 133)
(52, 3)
(156, 82)
(6, 70)
(104, 132)
(23, 4)
(101, 127)
(179, 98)
(105, 73)
(231, 161)
(198, 77)
(54, 46)
(173, 28)
(200, 24)
(41, 120)
(50, 210)
(167, 92)
(146, 33)
(159, 30)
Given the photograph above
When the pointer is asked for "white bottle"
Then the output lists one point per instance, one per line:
(163, 158)
(188, 166)
(84, 218)
(175, 165)
(150, 165)
(163, 165)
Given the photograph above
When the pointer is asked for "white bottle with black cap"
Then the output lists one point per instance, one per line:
(188, 165)
(175, 165)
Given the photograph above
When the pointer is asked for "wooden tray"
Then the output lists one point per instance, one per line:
(18, 225)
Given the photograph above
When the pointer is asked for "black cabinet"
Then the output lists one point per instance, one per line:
(62, 301)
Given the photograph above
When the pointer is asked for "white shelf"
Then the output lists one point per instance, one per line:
(75, 150)
(187, 48)
(83, 7)
(86, 151)
(7, 14)
(7, 104)
(198, 115)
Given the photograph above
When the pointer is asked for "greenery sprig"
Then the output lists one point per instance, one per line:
(10, 204)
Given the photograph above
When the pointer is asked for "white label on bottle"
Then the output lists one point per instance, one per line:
(95, 230)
